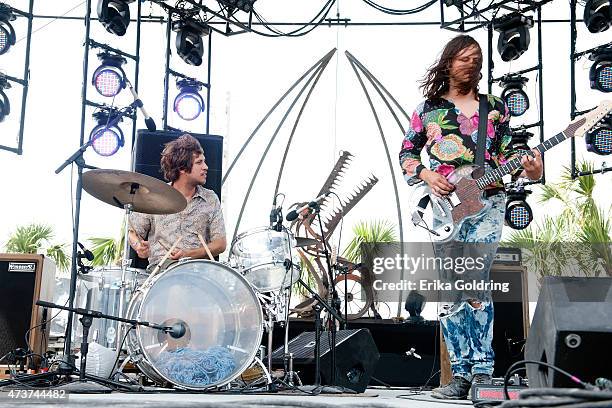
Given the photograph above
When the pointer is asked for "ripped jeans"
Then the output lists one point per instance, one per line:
(467, 320)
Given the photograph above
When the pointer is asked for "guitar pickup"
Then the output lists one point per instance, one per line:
(453, 199)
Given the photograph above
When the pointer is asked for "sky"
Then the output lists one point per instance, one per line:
(249, 74)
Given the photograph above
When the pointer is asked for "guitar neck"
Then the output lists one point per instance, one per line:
(495, 175)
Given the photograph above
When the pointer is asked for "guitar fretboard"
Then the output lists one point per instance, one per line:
(495, 175)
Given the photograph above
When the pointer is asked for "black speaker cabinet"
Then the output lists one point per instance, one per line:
(149, 145)
(572, 329)
(356, 358)
(24, 279)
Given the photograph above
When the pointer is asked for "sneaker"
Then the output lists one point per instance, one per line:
(479, 379)
(456, 389)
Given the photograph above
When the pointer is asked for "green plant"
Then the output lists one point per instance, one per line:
(577, 241)
(368, 235)
(32, 238)
(107, 251)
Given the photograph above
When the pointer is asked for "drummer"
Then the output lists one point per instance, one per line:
(184, 167)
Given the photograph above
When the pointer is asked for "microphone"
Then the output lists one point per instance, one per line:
(293, 214)
(177, 330)
(87, 254)
(148, 120)
(411, 353)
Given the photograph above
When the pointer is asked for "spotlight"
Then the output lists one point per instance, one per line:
(189, 44)
(518, 212)
(106, 140)
(188, 104)
(520, 140)
(244, 5)
(514, 96)
(599, 140)
(109, 78)
(513, 35)
(114, 15)
(597, 15)
(7, 33)
(5, 106)
(600, 74)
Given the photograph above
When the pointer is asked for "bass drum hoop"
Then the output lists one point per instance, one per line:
(137, 350)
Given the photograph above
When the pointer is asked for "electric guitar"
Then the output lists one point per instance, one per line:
(467, 201)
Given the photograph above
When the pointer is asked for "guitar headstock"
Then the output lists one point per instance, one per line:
(589, 120)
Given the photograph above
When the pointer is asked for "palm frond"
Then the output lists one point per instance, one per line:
(367, 235)
(59, 254)
(105, 251)
(29, 239)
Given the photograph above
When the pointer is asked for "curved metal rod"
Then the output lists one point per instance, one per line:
(391, 168)
(229, 170)
(317, 73)
(378, 85)
(297, 120)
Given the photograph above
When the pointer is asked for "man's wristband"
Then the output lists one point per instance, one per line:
(418, 170)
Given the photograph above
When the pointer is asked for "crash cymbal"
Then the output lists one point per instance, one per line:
(146, 194)
(305, 242)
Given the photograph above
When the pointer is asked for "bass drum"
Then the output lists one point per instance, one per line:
(222, 321)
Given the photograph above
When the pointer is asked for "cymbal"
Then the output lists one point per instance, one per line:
(305, 242)
(149, 195)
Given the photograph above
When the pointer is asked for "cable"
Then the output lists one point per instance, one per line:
(26, 336)
(52, 21)
(396, 12)
(119, 350)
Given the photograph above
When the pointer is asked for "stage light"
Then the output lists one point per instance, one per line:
(189, 44)
(244, 5)
(106, 140)
(7, 33)
(520, 140)
(600, 74)
(597, 15)
(188, 104)
(514, 96)
(5, 106)
(513, 35)
(109, 78)
(114, 15)
(599, 140)
(518, 212)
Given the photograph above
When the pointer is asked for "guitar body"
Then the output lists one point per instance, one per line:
(465, 202)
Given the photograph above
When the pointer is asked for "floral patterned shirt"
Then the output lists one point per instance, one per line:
(450, 138)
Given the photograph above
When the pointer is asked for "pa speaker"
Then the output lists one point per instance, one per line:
(572, 330)
(149, 145)
(356, 358)
(25, 279)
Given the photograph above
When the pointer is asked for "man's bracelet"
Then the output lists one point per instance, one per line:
(418, 170)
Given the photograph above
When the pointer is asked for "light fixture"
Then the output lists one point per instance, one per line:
(189, 44)
(513, 35)
(109, 77)
(597, 15)
(7, 33)
(244, 5)
(106, 138)
(520, 139)
(516, 99)
(5, 106)
(600, 74)
(114, 15)
(599, 140)
(518, 212)
(188, 104)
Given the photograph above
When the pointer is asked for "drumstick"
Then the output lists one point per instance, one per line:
(163, 260)
(205, 247)
(163, 244)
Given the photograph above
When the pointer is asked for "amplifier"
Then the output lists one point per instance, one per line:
(25, 279)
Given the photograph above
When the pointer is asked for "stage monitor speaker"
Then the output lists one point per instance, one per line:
(356, 358)
(571, 329)
(25, 278)
(149, 145)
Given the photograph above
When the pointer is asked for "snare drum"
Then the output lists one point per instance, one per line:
(101, 290)
(221, 320)
(260, 255)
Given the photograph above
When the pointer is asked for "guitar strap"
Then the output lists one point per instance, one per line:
(483, 113)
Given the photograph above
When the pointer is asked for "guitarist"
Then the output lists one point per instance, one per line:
(446, 125)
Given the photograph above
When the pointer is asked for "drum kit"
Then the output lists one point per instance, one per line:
(219, 311)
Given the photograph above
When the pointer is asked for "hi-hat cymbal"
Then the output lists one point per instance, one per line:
(146, 194)
(305, 242)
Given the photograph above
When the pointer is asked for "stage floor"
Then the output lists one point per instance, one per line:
(373, 397)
